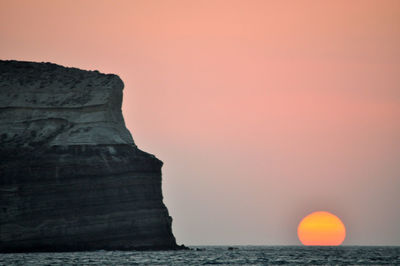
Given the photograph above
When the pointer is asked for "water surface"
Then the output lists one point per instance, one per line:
(220, 255)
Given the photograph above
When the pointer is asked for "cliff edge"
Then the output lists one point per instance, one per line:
(71, 176)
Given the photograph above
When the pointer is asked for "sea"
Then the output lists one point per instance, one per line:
(218, 255)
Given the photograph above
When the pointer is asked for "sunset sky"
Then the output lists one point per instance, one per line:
(262, 111)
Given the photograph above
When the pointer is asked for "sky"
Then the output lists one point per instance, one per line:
(262, 111)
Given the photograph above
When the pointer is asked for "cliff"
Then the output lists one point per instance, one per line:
(71, 176)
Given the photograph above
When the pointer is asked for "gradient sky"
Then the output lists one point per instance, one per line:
(262, 111)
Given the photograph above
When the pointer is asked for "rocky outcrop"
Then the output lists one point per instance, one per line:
(71, 177)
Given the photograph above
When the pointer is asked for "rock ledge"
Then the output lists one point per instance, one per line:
(71, 176)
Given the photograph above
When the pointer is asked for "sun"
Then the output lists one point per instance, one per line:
(321, 229)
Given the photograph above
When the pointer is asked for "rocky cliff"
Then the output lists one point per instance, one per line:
(71, 177)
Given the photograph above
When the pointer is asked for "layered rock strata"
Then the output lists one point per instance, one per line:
(71, 176)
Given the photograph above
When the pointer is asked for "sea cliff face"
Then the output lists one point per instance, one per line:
(71, 176)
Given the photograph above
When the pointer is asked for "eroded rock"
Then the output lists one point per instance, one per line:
(71, 176)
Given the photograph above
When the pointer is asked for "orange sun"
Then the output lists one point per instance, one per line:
(321, 229)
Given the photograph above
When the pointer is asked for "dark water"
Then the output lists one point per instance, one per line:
(240, 255)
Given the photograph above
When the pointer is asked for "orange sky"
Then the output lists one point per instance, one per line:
(262, 111)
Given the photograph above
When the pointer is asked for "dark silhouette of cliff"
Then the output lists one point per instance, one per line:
(71, 176)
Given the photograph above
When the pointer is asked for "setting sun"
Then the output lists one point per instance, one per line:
(321, 229)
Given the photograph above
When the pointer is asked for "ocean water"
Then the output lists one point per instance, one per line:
(221, 255)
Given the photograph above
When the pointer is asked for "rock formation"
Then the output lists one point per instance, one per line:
(71, 177)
